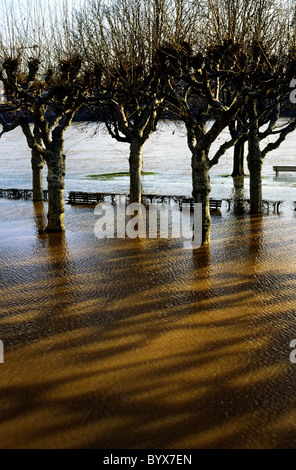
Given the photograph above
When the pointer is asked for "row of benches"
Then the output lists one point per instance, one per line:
(80, 197)
(215, 204)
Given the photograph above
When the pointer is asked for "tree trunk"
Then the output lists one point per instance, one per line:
(135, 166)
(254, 163)
(238, 159)
(56, 187)
(37, 163)
(201, 189)
(255, 168)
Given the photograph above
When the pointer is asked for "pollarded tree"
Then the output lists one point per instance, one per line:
(207, 86)
(48, 93)
(126, 39)
(215, 82)
(66, 89)
(198, 97)
(271, 56)
(28, 44)
(269, 46)
(277, 58)
(17, 84)
(52, 103)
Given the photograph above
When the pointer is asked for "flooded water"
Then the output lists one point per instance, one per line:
(91, 151)
(139, 343)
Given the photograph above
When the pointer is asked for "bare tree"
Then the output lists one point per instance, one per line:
(27, 48)
(272, 63)
(19, 51)
(215, 80)
(200, 97)
(16, 85)
(125, 43)
(47, 90)
(68, 88)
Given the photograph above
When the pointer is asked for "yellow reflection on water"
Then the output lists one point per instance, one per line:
(142, 344)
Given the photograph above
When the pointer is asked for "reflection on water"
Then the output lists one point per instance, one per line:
(142, 344)
(40, 219)
(238, 194)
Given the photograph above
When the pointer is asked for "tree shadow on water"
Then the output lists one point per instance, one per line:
(144, 345)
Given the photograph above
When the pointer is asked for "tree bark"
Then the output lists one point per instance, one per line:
(255, 168)
(238, 159)
(201, 189)
(135, 166)
(37, 164)
(56, 187)
(255, 162)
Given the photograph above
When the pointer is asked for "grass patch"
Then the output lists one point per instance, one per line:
(111, 176)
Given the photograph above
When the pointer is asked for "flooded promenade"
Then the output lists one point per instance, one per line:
(141, 344)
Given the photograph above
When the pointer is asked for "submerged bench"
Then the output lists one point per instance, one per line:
(278, 168)
(79, 197)
(275, 204)
(13, 193)
(215, 204)
(266, 203)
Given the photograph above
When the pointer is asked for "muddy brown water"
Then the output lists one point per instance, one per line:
(142, 344)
